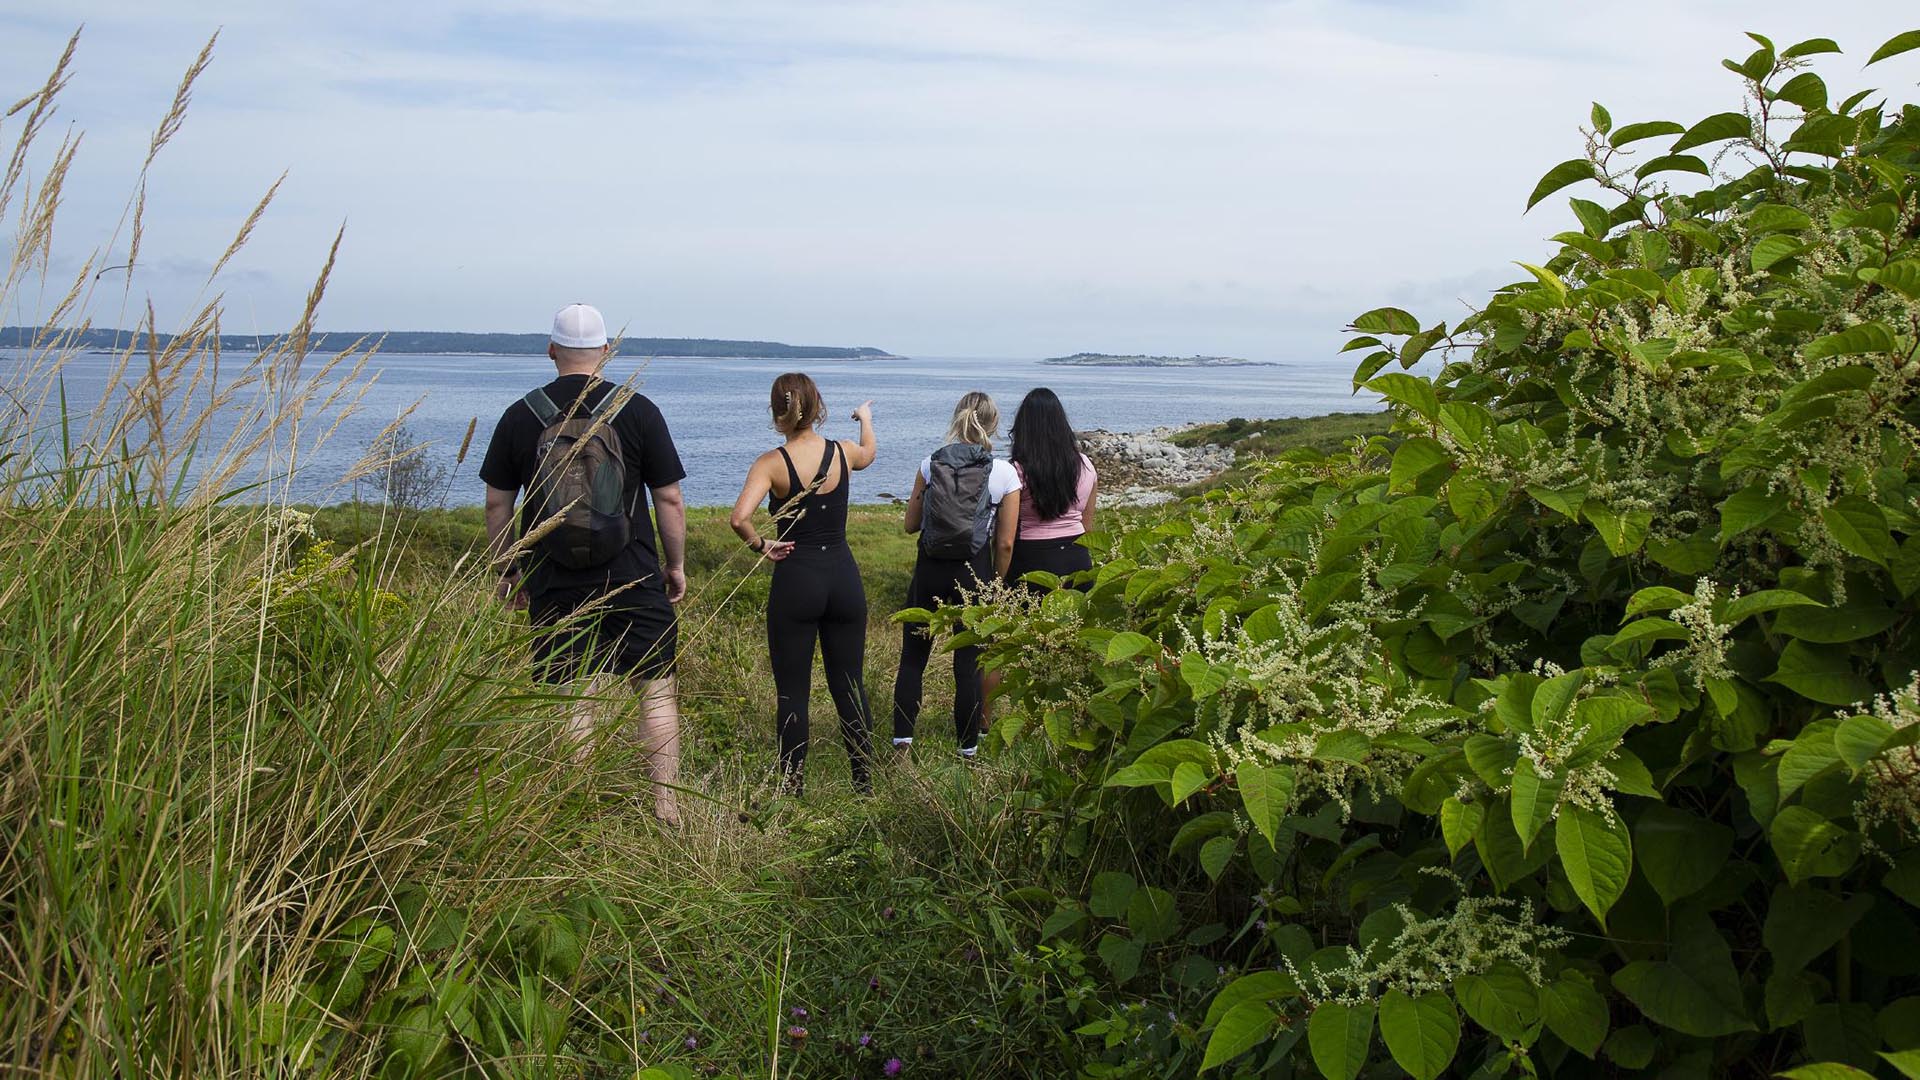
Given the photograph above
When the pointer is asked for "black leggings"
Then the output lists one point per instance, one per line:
(1062, 557)
(936, 582)
(817, 593)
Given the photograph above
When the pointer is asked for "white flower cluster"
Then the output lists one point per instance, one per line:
(1431, 953)
(1704, 656)
(1299, 681)
(1890, 791)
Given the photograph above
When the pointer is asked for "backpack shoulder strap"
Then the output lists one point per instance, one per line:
(604, 407)
(544, 410)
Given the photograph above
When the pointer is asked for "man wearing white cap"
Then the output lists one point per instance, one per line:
(598, 590)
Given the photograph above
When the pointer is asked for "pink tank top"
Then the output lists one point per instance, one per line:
(1069, 524)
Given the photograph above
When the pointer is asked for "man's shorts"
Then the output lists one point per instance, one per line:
(635, 636)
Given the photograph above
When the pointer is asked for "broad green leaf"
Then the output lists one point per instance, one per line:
(1187, 779)
(1646, 129)
(1859, 738)
(1338, 1036)
(1414, 459)
(1421, 1033)
(1649, 629)
(1266, 791)
(1260, 986)
(1597, 855)
(1342, 745)
(1863, 616)
(1748, 508)
(1575, 1012)
(1775, 249)
(1631, 1047)
(1810, 846)
(1121, 956)
(1126, 645)
(1686, 163)
(1855, 340)
(1387, 320)
(1503, 1001)
(1813, 752)
(1491, 758)
(1811, 47)
(1803, 922)
(1903, 277)
(1907, 1061)
(1807, 90)
(1216, 853)
(1561, 175)
(1773, 217)
(1244, 1027)
(1408, 391)
(1534, 798)
(1602, 119)
(1458, 822)
(1695, 990)
(1622, 532)
(1756, 603)
(1716, 128)
(1111, 892)
(1858, 526)
(1820, 673)
(1152, 915)
(1825, 1070)
(1594, 217)
(1679, 853)
(1656, 598)
(1896, 45)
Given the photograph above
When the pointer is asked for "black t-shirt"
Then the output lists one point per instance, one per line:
(651, 462)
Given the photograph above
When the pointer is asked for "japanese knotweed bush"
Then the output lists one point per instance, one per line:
(1574, 734)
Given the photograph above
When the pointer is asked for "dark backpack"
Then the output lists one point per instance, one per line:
(955, 513)
(579, 474)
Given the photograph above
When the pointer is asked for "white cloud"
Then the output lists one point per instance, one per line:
(931, 177)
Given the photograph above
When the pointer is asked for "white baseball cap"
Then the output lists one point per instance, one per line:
(579, 326)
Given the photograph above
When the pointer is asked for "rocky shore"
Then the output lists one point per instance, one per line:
(1143, 468)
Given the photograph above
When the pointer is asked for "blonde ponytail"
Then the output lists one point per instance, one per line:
(976, 419)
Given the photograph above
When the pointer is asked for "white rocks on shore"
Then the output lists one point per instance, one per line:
(1142, 468)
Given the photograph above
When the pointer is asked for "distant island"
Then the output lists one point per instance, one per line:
(1096, 359)
(449, 343)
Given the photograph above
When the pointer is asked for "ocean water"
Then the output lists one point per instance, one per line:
(717, 409)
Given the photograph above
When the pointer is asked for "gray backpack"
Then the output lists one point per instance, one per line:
(579, 474)
(955, 512)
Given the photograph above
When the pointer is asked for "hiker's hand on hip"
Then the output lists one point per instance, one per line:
(676, 584)
(778, 549)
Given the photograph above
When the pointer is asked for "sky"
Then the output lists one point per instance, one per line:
(1019, 178)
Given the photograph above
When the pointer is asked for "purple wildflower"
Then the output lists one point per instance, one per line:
(692, 1043)
(644, 1037)
(799, 1012)
(796, 1033)
(887, 914)
(873, 983)
(892, 1067)
(1260, 925)
(866, 1040)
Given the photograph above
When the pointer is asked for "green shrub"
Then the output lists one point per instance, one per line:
(1574, 732)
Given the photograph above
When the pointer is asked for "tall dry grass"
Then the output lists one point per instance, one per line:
(222, 745)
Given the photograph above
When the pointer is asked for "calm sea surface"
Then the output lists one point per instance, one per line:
(717, 409)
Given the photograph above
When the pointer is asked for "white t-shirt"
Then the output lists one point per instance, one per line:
(1001, 479)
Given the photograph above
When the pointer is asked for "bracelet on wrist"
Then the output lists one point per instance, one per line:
(759, 545)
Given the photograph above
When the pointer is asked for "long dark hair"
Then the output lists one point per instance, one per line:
(1048, 455)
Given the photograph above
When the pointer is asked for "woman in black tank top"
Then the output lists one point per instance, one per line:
(817, 593)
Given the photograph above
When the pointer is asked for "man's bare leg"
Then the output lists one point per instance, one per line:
(588, 712)
(658, 736)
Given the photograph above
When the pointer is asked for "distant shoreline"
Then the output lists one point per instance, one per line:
(1140, 360)
(441, 343)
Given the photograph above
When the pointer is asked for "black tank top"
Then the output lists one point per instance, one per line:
(812, 518)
